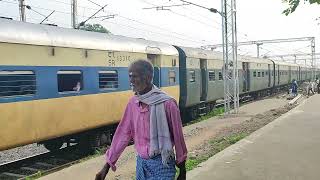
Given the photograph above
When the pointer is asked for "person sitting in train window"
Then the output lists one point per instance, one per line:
(152, 119)
(77, 87)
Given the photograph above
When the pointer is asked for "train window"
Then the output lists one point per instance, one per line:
(220, 75)
(172, 77)
(192, 76)
(254, 74)
(174, 62)
(259, 74)
(17, 83)
(69, 81)
(262, 73)
(212, 76)
(108, 80)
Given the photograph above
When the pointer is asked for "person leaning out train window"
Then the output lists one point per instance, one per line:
(77, 87)
(152, 120)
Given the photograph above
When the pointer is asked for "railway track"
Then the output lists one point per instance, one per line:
(41, 164)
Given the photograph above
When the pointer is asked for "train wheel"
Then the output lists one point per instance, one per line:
(53, 145)
(194, 113)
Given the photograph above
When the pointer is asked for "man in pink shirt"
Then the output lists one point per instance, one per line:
(152, 120)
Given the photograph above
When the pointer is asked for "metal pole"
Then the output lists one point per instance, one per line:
(74, 14)
(230, 73)
(22, 10)
(235, 59)
(224, 66)
(312, 56)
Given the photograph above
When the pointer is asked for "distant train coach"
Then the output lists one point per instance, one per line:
(62, 85)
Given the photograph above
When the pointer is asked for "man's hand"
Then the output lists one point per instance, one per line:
(101, 175)
(182, 171)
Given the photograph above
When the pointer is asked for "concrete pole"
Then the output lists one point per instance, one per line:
(258, 49)
(22, 10)
(74, 14)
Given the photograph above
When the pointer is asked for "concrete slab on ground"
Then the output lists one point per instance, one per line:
(286, 149)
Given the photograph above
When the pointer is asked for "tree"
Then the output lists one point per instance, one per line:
(293, 4)
(95, 28)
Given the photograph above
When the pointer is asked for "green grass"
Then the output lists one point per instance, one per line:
(215, 112)
(216, 145)
(96, 153)
(35, 176)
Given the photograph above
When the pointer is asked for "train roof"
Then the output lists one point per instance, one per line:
(27, 33)
(207, 54)
(253, 59)
(200, 53)
(285, 63)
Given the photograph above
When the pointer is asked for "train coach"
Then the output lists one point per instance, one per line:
(59, 85)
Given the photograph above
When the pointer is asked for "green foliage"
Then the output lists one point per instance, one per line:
(217, 145)
(35, 176)
(95, 28)
(293, 4)
(215, 112)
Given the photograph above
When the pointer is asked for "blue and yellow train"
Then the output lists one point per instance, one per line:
(63, 85)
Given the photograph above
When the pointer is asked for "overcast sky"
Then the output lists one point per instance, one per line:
(187, 25)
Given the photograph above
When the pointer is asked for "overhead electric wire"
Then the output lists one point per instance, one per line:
(150, 31)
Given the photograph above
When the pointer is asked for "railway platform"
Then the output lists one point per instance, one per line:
(287, 148)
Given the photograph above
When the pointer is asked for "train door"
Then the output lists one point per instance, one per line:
(154, 59)
(289, 79)
(246, 76)
(203, 80)
(299, 73)
(269, 76)
(278, 71)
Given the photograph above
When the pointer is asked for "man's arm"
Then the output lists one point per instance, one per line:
(120, 141)
(175, 126)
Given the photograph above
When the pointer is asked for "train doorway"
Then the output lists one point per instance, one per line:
(289, 79)
(278, 72)
(246, 76)
(203, 79)
(154, 59)
(269, 76)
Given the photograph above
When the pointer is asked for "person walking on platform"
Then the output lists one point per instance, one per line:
(152, 120)
(318, 85)
(294, 87)
(310, 87)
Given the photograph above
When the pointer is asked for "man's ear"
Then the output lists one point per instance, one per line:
(149, 79)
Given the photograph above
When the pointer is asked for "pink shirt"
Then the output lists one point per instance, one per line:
(135, 124)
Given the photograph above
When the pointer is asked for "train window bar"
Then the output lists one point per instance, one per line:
(192, 76)
(212, 76)
(108, 80)
(172, 77)
(220, 75)
(17, 83)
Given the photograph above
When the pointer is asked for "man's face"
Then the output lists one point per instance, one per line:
(137, 80)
